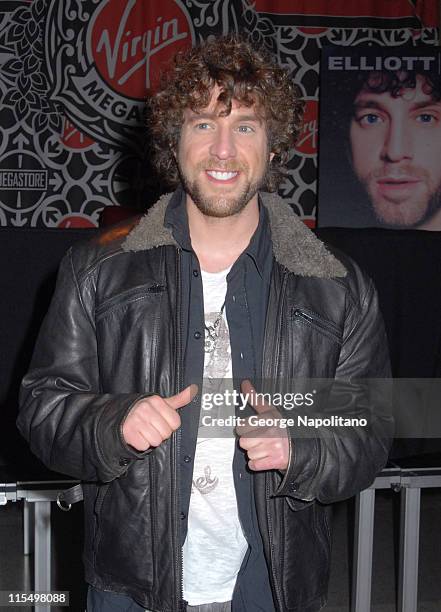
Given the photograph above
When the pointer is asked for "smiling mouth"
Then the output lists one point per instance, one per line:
(222, 175)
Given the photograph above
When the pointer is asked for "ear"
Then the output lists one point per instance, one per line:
(271, 156)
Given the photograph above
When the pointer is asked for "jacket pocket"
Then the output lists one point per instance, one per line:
(303, 316)
(99, 502)
(305, 553)
(125, 550)
(323, 532)
(127, 297)
(102, 492)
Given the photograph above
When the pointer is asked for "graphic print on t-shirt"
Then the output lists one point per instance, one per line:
(205, 484)
(217, 367)
(214, 531)
(217, 363)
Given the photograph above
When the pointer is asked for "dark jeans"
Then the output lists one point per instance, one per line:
(105, 601)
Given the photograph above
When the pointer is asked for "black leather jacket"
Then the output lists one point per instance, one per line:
(112, 336)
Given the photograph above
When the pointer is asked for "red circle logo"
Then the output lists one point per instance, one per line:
(306, 143)
(73, 139)
(132, 42)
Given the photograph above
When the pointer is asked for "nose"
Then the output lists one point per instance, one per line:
(397, 143)
(223, 145)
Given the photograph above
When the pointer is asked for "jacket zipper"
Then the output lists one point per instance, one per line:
(270, 537)
(315, 321)
(177, 436)
(127, 297)
(275, 363)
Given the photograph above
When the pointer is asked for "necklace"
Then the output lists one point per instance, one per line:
(212, 332)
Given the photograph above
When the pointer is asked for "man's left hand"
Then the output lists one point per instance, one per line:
(266, 444)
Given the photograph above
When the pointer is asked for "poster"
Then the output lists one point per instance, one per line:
(380, 138)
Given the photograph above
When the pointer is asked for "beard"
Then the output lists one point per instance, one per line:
(410, 212)
(222, 204)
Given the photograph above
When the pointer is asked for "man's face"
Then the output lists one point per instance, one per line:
(222, 160)
(396, 154)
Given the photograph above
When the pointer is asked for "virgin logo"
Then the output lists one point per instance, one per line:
(132, 42)
(73, 139)
(307, 140)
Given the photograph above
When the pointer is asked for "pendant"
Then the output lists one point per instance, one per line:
(210, 340)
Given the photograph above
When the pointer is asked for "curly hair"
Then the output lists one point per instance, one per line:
(395, 81)
(346, 85)
(243, 73)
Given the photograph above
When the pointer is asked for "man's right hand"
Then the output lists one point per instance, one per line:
(153, 419)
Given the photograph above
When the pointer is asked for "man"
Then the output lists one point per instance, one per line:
(395, 140)
(218, 282)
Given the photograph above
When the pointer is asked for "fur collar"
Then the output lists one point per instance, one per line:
(295, 247)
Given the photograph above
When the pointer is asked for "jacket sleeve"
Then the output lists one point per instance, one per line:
(70, 425)
(334, 462)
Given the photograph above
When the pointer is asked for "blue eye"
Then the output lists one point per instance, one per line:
(245, 129)
(370, 119)
(426, 118)
(202, 126)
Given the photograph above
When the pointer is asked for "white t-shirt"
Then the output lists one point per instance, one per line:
(215, 545)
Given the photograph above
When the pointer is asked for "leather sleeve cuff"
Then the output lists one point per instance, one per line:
(115, 453)
(302, 469)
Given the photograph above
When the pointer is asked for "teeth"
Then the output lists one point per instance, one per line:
(221, 176)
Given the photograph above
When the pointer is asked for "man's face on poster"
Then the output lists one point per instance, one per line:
(396, 154)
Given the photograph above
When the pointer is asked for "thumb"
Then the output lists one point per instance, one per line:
(182, 398)
(253, 397)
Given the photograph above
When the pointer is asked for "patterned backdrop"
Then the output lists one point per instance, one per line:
(74, 75)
